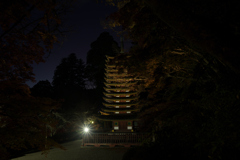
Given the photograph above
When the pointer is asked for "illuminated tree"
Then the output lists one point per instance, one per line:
(190, 94)
(205, 25)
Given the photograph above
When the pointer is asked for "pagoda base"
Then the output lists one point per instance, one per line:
(114, 139)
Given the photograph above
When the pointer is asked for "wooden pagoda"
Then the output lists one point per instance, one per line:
(119, 111)
(120, 108)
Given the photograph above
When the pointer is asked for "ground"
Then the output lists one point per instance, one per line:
(75, 151)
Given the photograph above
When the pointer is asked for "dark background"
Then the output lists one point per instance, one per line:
(84, 23)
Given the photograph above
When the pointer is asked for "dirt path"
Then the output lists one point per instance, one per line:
(77, 152)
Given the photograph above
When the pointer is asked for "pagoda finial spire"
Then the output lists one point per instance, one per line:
(122, 45)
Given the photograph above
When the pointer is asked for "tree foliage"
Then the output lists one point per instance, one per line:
(69, 76)
(42, 89)
(209, 26)
(69, 84)
(190, 94)
(96, 59)
(26, 121)
(28, 29)
(96, 56)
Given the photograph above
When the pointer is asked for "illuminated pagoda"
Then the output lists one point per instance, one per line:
(120, 98)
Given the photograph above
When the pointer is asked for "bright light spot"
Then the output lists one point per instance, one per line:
(86, 129)
(129, 127)
(92, 122)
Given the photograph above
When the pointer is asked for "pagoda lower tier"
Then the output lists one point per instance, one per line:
(117, 89)
(120, 110)
(120, 123)
(120, 117)
(121, 94)
(119, 104)
(119, 99)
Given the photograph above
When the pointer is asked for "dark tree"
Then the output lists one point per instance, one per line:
(27, 30)
(187, 55)
(96, 56)
(69, 76)
(206, 25)
(42, 89)
(69, 83)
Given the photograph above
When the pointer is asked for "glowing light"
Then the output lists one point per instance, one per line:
(86, 129)
(116, 127)
(129, 127)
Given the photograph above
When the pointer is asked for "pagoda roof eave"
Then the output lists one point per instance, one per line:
(112, 89)
(107, 56)
(112, 70)
(116, 74)
(127, 79)
(117, 117)
(119, 93)
(113, 65)
(115, 84)
(119, 104)
(120, 98)
(120, 109)
(110, 65)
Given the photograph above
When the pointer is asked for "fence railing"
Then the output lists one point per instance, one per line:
(113, 139)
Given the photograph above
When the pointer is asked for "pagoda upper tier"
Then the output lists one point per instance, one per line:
(125, 105)
(119, 83)
(120, 95)
(119, 79)
(120, 99)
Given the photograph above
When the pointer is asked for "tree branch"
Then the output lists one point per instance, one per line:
(16, 23)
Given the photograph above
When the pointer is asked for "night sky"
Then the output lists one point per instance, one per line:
(85, 23)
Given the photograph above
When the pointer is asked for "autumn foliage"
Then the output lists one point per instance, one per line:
(28, 29)
(183, 53)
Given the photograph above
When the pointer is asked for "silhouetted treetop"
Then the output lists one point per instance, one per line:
(69, 76)
(27, 30)
(42, 89)
(104, 45)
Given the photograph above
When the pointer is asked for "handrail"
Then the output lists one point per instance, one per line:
(114, 138)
